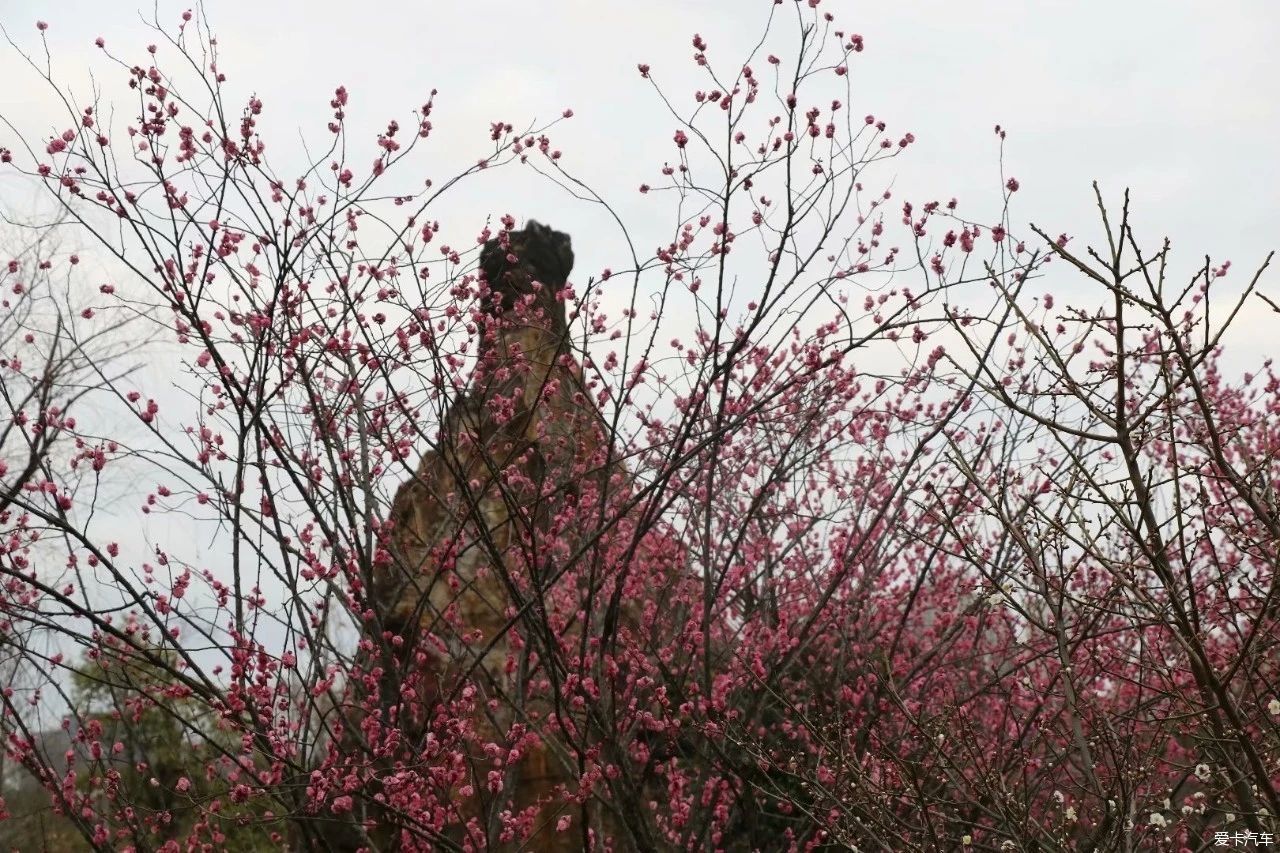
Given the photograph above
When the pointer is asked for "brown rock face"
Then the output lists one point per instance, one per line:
(477, 544)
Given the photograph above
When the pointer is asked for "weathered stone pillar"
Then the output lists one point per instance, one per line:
(474, 552)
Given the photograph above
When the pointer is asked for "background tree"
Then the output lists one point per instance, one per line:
(56, 357)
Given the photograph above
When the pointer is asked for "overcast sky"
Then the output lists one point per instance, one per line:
(1179, 101)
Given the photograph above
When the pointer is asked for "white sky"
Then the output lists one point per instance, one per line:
(1178, 100)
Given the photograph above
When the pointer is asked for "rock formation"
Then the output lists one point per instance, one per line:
(475, 529)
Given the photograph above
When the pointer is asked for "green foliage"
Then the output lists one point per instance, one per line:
(152, 761)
